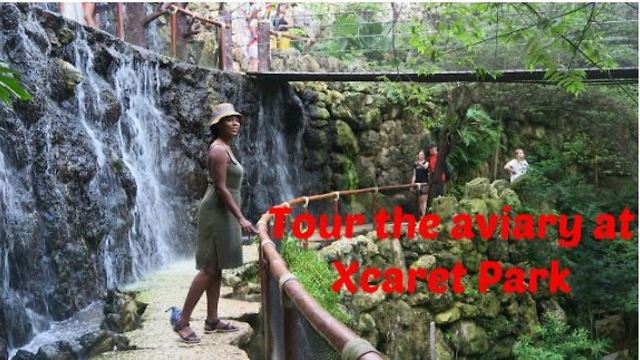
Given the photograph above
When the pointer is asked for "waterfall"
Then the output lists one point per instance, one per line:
(90, 181)
(142, 134)
(272, 146)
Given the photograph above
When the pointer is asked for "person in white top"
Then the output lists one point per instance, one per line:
(81, 12)
(518, 166)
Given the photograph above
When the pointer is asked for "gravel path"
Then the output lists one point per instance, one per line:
(156, 340)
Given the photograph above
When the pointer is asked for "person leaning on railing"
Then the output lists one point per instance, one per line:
(220, 226)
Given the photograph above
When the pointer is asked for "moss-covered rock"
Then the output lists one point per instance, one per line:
(346, 140)
(478, 188)
(469, 337)
(425, 261)
(318, 112)
(449, 316)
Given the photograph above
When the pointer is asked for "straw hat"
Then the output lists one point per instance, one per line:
(223, 110)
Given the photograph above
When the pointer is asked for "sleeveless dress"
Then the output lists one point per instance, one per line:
(219, 243)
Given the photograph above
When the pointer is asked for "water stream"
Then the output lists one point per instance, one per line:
(130, 185)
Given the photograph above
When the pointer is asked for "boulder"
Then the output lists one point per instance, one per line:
(425, 261)
(318, 112)
(346, 140)
(448, 316)
(613, 327)
(469, 338)
(367, 329)
(101, 341)
(478, 188)
(65, 78)
(24, 355)
(60, 350)
(122, 312)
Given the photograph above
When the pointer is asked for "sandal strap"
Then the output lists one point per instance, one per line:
(178, 326)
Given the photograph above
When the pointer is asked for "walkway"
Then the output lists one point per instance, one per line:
(168, 287)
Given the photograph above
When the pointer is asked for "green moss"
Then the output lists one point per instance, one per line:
(349, 179)
(316, 277)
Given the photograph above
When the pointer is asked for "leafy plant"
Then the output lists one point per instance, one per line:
(10, 86)
(554, 340)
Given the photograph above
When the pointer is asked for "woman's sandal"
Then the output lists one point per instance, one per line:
(218, 327)
(192, 338)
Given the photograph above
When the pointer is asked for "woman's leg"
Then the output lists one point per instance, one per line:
(213, 296)
(90, 14)
(422, 201)
(199, 284)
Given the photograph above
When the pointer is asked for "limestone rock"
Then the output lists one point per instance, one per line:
(448, 316)
(346, 140)
(478, 188)
(425, 261)
(66, 77)
(469, 337)
(24, 355)
(122, 312)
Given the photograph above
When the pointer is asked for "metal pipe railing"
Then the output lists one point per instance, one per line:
(337, 334)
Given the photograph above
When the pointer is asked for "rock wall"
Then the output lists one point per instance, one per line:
(102, 172)
(469, 325)
(357, 137)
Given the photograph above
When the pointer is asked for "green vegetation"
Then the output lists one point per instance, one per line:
(10, 86)
(554, 340)
(315, 276)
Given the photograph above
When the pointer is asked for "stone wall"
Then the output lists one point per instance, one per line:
(469, 325)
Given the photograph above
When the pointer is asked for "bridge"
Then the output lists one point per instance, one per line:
(623, 75)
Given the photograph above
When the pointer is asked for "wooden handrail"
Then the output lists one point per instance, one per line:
(331, 329)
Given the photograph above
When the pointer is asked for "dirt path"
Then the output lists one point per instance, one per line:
(166, 288)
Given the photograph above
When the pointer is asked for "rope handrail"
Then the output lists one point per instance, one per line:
(337, 334)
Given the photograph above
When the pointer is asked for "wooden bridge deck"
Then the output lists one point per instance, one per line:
(596, 76)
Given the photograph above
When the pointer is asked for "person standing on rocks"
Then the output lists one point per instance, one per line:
(220, 226)
(517, 167)
(421, 175)
(439, 187)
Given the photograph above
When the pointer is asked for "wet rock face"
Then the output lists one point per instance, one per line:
(122, 312)
(102, 172)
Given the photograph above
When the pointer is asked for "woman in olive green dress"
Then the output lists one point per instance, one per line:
(220, 223)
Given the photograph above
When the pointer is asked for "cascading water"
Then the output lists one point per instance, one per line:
(133, 146)
(92, 190)
(141, 137)
(272, 146)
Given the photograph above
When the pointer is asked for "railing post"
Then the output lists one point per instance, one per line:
(287, 324)
(120, 21)
(264, 47)
(263, 267)
(226, 42)
(174, 33)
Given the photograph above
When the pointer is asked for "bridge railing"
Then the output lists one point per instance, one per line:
(286, 305)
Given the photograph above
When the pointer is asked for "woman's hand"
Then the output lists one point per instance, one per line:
(247, 227)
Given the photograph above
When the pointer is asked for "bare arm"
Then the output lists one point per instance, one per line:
(218, 172)
(413, 177)
(508, 168)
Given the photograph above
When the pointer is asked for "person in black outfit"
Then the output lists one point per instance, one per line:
(421, 175)
(280, 22)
